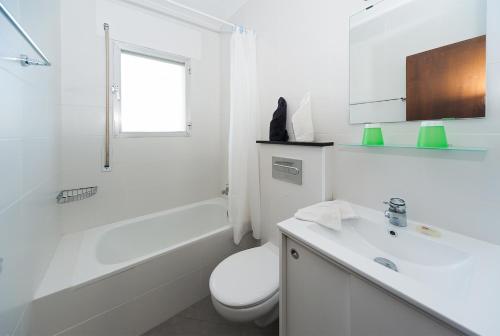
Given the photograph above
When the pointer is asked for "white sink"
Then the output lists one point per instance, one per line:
(408, 245)
(432, 261)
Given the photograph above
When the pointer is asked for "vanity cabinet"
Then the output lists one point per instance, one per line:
(317, 295)
(321, 298)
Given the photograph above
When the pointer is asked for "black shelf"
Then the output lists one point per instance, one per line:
(296, 143)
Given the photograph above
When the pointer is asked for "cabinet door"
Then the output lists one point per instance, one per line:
(376, 313)
(317, 295)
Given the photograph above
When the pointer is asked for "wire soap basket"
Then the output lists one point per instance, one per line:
(72, 195)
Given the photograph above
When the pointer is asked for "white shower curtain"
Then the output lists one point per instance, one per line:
(244, 188)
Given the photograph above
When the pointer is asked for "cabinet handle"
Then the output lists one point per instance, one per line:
(294, 253)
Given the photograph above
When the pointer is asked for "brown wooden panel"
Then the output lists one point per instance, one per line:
(447, 82)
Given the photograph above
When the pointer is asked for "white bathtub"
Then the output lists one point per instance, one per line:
(134, 240)
(151, 267)
(119, 246)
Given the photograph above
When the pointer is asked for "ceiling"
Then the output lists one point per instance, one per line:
(223, 9)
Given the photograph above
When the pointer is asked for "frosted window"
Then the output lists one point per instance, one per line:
(153, 95)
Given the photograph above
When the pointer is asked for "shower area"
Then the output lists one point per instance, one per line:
(119, 208)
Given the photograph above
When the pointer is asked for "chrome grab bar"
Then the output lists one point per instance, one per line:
(25, 60)
(107, 167)
(286, 165)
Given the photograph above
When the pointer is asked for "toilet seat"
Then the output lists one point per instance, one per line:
(247, 279)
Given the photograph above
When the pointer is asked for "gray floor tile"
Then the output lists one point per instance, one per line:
(201, 319)
(219, 329)
(177, 326)
(192, 312)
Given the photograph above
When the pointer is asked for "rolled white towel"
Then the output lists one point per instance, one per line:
(328, 214)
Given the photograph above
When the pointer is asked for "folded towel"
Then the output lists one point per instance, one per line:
(328, 214)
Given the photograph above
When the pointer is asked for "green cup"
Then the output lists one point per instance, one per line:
(432, 135)
(372, 135)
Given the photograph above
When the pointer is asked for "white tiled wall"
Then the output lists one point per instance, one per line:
(149, 174)
(29, 160)
(304, 46)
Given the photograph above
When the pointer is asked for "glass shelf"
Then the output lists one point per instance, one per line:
(451, 148)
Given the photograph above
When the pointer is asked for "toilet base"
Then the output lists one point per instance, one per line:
(269, 318)
(263, 314)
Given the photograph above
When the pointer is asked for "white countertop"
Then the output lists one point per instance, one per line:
(472, 307)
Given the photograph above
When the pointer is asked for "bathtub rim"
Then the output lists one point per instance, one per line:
(108, 227)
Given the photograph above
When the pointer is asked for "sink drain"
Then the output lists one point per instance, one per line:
(387, 263)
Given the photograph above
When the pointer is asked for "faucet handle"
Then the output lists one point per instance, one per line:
(397, 205)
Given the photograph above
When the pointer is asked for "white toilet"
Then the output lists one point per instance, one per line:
(245, 286)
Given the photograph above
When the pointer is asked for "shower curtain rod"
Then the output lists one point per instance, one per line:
(209, 16)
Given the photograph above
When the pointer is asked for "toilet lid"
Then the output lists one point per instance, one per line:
(246, 278)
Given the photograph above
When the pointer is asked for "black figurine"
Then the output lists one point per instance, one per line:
(277, 130)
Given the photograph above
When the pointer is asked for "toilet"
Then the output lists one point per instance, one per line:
(245, 286)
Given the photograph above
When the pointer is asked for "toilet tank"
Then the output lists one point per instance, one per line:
(280, 199)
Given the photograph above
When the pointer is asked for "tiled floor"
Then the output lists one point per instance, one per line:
(201, 319)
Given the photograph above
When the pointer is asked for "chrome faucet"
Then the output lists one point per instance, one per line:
(396, 212)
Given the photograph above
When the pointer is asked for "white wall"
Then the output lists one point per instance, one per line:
(149, 174)
(29, 160)
(304, 46)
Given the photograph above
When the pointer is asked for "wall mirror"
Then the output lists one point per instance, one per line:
(418, 60)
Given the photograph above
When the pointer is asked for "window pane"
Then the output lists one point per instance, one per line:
(153, 95)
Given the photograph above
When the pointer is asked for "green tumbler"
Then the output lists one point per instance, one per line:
(432, 135)
(372, 135)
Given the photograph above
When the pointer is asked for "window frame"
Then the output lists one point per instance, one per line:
(118, 48)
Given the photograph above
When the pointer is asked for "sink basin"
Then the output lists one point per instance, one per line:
(410, 246)
(434, 262)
